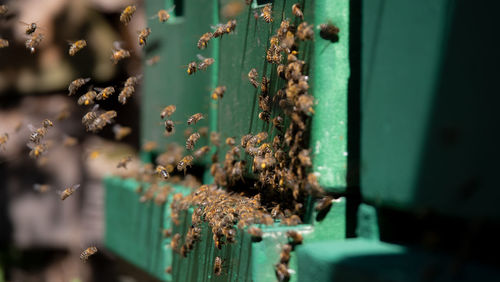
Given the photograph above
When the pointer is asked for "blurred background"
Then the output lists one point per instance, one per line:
(41, 237)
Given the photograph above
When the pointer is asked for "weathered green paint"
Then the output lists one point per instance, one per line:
(367, 226)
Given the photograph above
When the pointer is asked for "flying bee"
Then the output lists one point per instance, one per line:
(123, 162)
(163, 15)
(230, 26)
(266, 13)
(169, 127)
(118, 53)
(84, 256)
(121, 131)
(105, 93)
(41, 188)
(38, 134)
(218, 266)
(191, 141)
(252, 76)
(133, 80)
(3, 140)
(185, 163)
(153, 60)
(232, 9)
(37, 150)
(195, 118)
(63, 114)
(127, 14)
(89, 117)
(329, 32)
(256, 233)
(76, 46)
(143, 35)
(68, 191)
(126, 93)
(162, 171)
(218, 92)
(296, 11)
(76, 84)
(205, 62)
(33, 42)
(203, 41)
(191, 68)
(168, 111)
(3, 10)
(30, 28)
(201, 152)
(296, 237)
(305, 31)
(87, 99)
(4, 43)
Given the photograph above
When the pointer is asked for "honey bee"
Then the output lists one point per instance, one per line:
(162, 171)
(230, 26)
(3, 10)
(329, 32)
(205, 62)
(185, 163)
(168, 111)
(323, 206)
(127, 14)
(4, 43)
(38, 134)
(203, 41)
(195, 118)
(76, 84)
(149, 146)
(33, 42)
(218, 92)
(3, 140)
(285, 254)
(132, 81)
(305, 31)
(191, 141)
(218, 266)
(296, 237)
(118, 53)
(169, 127)
(305, 104)
(215, 138)
(68, 191)
(191, 68)
(76, 46)
(282, 272)
(101, 121)
(126, 93)
(278, 123)
(252, 76)
(69, 141)
(41, 188)
(174, 244)
(84, 256)
(261, 136)
(30, 28)
(90, 117)
(105, 93)
(201, 152)
(121, 131)
(296, 11)
(266, 13)
(304, 158)
(163, 15)
(230, 141)
(143, 35)
(153, 60)
(256, 234)
(265, 116)
(123, 162)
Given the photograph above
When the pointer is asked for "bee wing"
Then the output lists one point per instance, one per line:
(75, 186)
(214, 27)
(98, 89)
(200, 57)
(31, 127)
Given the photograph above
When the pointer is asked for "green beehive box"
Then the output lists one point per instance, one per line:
(427, 109)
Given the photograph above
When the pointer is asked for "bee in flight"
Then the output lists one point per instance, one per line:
(123, 162)
(204, 62)
(118, 53)
(76, 46)
(68, 191)
(30, 28)
(143, 35)
(76, 84)
(84, 256)
(195, 118)
(163, 15)
(127, 14)
(33, 42)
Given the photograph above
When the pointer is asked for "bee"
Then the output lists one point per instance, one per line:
(282, 272)
(296, 237)
(285, 254)
(266, 13)
(69, 191)
(195, 118)
(265, 116)
(201, 152)
(69, 141)
(191, 68)
(33, 42)
(163, 15)
(218, 92)
(90, 117)
(203, 41)
(215, 138)
(261, 136)
(162, 171)
(76, 46)
(101, 121)
(127, 14)
(126, 93)
(3, 10)
(218, 266)
(84, 256)
(3, 140)
(105, 93)
(230, 26)
(185, 163)
(296, 11)
(252, 76)
(304, 158)
(168, 111)
(305, 104)
(278, 123)
(132, 81)
(191, 141)
(123, 162)
(256, 234)
(76, 84)
(121, 131)
(305, 31)
(230, 141)
(143, 35)
(118, 53)
(169, 127)
(174, 244)
(329, 32)
(4, 43)
(38, 134)
(149, 146)
(292, 220)
(153, 60)
(205, 62)
(41, 188)
(30, 28)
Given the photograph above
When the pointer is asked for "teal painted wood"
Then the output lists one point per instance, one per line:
(427, 108)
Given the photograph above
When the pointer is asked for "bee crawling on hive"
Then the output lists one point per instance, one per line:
(282, 272)
(68, 191)
(266, 13)
(118, 53)
(127, 14)
(218, 266)
(143, 35)
(84, 256)
(30, 27)
(76, 46)
(252, 76)
(76, 84)
(204, 62)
